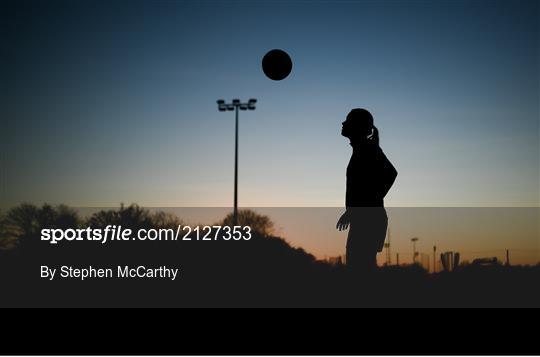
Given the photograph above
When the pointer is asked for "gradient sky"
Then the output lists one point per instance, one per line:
(108, 103)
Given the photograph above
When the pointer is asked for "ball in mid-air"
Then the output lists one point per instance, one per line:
(277, 64)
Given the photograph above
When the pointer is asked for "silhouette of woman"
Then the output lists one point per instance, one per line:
(369, 177)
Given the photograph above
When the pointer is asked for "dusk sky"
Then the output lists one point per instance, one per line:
(110, 103)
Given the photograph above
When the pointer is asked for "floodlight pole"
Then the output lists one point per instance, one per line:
(236, 105)
(434, 259)
(414, 240)
(235, 214)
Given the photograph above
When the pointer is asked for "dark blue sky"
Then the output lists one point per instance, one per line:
(115, 102)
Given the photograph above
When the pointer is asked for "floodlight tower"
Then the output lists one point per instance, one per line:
(235, 105)
(387, 246)
(389, 252)
(434, 258)
(414, 240)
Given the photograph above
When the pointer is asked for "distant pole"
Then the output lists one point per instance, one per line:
(397, 259)
(236, 105)
(507, 257)
(414, 240)
(389, 251)
(434, 258)
(387, 246)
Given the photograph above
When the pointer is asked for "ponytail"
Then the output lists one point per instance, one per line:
(375, 136)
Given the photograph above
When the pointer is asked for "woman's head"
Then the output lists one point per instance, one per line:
(358, 125)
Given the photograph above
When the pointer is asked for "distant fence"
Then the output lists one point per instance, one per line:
(483, 257)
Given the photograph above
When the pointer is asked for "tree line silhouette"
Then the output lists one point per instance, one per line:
(265, 271)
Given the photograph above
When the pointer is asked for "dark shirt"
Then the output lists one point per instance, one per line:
(369, 176)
